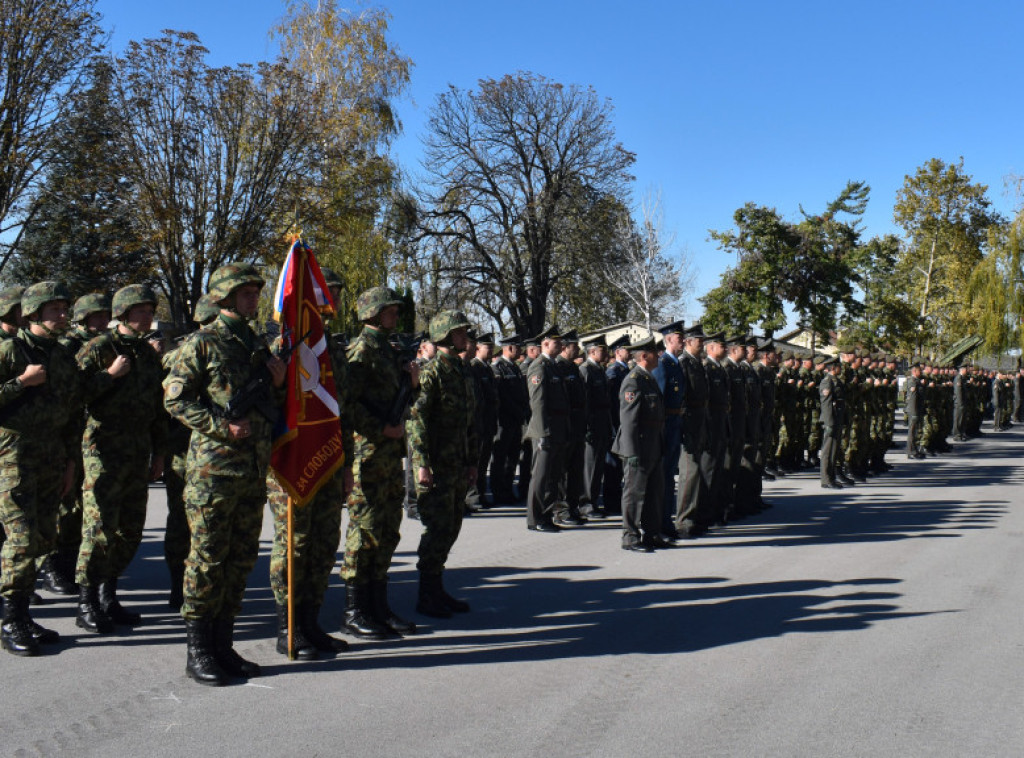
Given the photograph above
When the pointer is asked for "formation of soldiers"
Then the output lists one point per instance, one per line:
(675, 433)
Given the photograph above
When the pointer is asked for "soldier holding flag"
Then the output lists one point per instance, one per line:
(312, 459)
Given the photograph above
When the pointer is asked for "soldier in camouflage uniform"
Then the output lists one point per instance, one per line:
(442, 436)
(10, 322)
(176, 534)
(316, 532)
(375, 504)
(90, 316)
(811, 376)
(122, 450)
(228, 459)
(787, 415)
(40, 422)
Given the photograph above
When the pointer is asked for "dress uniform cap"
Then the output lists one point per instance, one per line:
(133, 294)
(571, 336)
(37, 295)
(675, 327)
(648, 344)
(485, 339)
(551, 333)
(513, 339)
(598, 341)
(374, 300)
(620, 341)
(9, 297)
(695, 332)
(716, 337)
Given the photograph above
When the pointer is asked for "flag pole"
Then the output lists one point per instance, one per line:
(291, 595)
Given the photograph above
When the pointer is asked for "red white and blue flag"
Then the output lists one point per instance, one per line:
(307, 447)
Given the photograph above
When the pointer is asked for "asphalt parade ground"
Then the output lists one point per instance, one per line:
(880, 620)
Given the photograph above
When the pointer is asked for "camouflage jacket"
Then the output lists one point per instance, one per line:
(208, 370)
(442, 432)
(130, 405)
(374, 378)
(75, 338)
(45, 419)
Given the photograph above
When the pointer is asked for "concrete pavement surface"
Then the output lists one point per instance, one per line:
(880, 620)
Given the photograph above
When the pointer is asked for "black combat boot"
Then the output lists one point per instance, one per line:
(452, 603)
(359, 620)
(382, 610)
(223, 630)
(16, 631)
(91, 616)
(431, 600)
(309, 618)
(177, 597)
(304, 649)
(202, 666)
(54, 579)
(117, 612)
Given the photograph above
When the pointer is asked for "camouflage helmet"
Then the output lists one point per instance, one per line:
(446, 322)
(133, 294)
(230, 276)
(39, 294)
(373, 301)
(9, 298)
(331, 279)
(206, 310)
(94, 302)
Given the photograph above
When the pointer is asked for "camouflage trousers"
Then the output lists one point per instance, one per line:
(857, 448)
(113, 512)
(316, 534)
(441, 511)
(814, 431)
(375, 514)
(225, 515)
(69, 517)
(176, 535)
(29, 499)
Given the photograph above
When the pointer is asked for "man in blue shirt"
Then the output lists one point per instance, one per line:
(672, 383)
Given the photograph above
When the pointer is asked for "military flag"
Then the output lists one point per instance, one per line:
(307, 447)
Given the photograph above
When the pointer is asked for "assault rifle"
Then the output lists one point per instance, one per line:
(257, 392)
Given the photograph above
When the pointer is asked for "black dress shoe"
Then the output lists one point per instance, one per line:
(660, 542)
(570, 520)
(638, 547)
(831, 485)
(544, 526)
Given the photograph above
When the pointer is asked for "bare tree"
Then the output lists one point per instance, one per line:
(215, 155)
(44, 48)
(654, 276)
(506, 165)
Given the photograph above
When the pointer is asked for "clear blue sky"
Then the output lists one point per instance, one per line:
(778, 103)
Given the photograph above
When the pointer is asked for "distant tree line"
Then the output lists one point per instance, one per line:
(956, 270)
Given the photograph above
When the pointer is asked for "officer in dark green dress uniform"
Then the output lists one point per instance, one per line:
(639, 443)
(548, 432)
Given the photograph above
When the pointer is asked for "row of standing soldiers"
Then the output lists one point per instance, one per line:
(737, 411)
